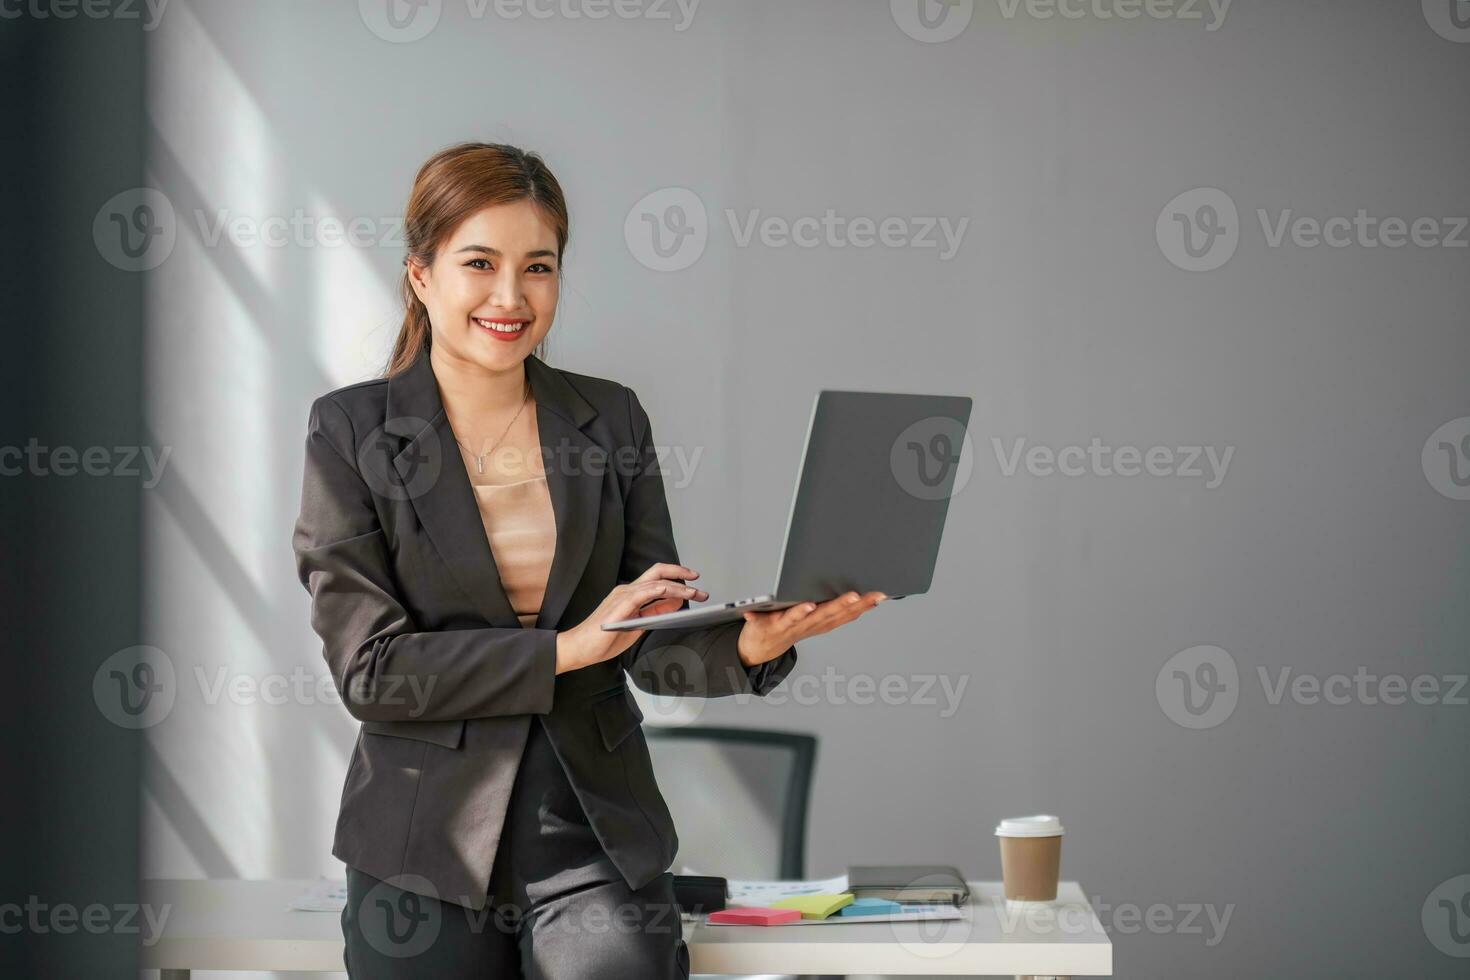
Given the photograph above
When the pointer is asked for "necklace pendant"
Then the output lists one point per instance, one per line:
(480, 465)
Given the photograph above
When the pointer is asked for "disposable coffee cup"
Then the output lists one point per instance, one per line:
(1030, 859)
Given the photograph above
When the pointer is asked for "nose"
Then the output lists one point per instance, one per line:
(506, 292)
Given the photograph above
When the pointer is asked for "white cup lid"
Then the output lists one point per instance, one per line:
(1041, 825)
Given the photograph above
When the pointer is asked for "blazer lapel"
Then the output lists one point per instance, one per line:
(574, 475)
(448, 510)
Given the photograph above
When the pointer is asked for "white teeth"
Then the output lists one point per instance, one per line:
(500, 327)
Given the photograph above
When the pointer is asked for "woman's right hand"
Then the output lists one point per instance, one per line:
(653, 593)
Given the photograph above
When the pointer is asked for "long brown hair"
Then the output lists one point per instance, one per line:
(451, 186)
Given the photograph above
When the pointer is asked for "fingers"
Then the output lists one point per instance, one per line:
(658, 607)
(666, 570)
(811, 619)
(635, 595)
(847, 606)
(662, 587)
(796, 613)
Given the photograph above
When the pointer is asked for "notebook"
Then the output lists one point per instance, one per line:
(936, 884)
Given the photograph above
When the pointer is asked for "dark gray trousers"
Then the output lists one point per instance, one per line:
(557, 909)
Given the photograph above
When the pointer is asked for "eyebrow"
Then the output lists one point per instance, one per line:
(543, 253)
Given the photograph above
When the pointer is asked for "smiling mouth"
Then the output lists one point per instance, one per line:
(501, 328)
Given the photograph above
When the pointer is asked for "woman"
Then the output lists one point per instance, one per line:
(467, 524)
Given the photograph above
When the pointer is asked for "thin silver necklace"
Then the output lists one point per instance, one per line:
(480, 458)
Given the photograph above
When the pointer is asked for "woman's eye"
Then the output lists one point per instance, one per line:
(481, 264)
(540, 267)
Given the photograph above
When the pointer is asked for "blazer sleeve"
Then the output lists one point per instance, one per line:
(383, 665)
(698, 662)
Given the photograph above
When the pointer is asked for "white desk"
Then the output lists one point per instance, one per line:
(244, 925)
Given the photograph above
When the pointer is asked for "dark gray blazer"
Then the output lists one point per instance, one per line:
(427, 653)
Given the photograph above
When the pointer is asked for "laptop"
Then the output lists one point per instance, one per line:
(877, 473)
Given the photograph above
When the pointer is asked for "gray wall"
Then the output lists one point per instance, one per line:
(69, 582)
(1333, 545)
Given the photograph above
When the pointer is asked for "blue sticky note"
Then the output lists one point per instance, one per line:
(871, 906)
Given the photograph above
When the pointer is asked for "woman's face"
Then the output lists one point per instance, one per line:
(492, 289)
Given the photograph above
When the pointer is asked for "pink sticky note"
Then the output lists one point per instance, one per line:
(754, 916)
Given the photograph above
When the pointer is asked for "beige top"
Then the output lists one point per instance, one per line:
(521, 527)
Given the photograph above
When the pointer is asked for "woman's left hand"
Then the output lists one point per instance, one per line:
(765, 636)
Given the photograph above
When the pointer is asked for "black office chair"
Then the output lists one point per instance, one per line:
(739, 797)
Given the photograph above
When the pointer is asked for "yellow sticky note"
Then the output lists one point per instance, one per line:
(814, 906)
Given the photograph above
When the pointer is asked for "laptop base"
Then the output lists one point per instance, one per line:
(729, 612)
